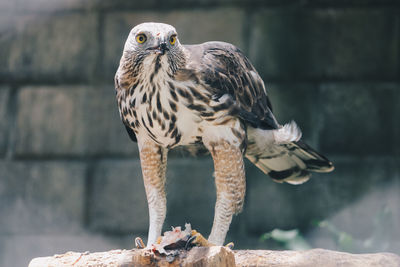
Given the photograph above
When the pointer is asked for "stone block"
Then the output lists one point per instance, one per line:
(325, 43)
(298, 102)
(191, 193)
(41, 6)
(186, 4)
(7, 6)
(358, 118)
(19, 250)
(48, 47)
(268, 204)
(220, 24)
(370, 222)
(4, 121)
(396, 123)
(118, 201)
(352, 3)
(296, 207)
(130, 5)
(70, 121)
(41, 197)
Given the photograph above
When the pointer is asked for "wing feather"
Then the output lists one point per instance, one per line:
(118, 89)
(225, 70)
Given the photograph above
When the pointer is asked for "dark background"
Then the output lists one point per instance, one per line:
(70, 178)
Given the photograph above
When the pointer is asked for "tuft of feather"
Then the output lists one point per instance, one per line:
(290, 132)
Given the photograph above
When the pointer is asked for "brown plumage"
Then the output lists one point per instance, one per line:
(207, 95)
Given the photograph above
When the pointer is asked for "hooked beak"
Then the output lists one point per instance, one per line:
(163, 47)
(160, 48)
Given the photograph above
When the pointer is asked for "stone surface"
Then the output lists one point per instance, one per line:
(52, 6)
(313, 257)
(41, 197)
(221, 257)
(7, 6)
(188, 4)
(48, 47)
(396, 124)
(4, 119)
(319, 43)
(190, 193)
(358, 118)
(360, 3)
(350, 230)
(54, 121)
(35, 245)
(199, 257)
(227, 26)
(288, 207)
(297, 102)
(118, 201)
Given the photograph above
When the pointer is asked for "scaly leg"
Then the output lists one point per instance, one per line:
(153, 159)
(231, 187)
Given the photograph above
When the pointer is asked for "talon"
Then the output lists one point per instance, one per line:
(190, 242)
(199, 240)
(139, 243)
(230, 245)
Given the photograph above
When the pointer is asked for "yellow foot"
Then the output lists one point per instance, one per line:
(194, 239)
(198, 239)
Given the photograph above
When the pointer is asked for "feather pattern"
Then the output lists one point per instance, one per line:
(275, 149)
(208, 95)
(201, 93)
(226, 71)
(283, 156)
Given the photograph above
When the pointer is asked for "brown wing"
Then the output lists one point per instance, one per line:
(118, 90)
(225, 70)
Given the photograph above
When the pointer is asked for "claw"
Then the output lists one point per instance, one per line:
(230, 245)
(139, 243)
(189, 242)
(199, 240)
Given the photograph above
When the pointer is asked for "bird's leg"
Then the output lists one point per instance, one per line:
(153, 159)
(231, 186)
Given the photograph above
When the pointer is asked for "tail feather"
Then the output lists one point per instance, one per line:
(289, 161)
(315, 161)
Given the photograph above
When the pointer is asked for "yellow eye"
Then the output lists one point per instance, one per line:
(172, 39)
(141, 38)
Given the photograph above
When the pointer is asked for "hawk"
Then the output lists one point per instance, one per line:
(205, 95)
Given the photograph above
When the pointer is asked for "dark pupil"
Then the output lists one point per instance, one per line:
(141, 38)
(172, 39)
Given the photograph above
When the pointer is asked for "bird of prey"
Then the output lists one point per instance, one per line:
(209, 95)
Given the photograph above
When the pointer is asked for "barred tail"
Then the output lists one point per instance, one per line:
(283, 156)
(291, 162)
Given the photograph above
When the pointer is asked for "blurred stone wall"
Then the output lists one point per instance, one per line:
(70, 178)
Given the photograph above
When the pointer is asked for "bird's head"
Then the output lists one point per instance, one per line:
(154, 43)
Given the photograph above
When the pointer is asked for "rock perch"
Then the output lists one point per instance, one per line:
(220, 257)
